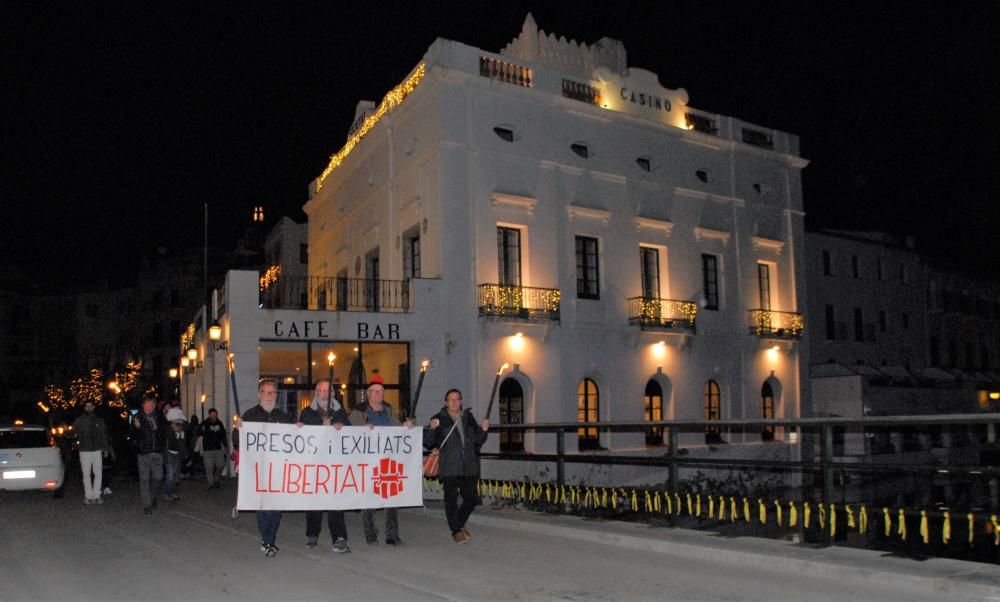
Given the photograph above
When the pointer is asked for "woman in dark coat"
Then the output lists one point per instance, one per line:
(459, 437)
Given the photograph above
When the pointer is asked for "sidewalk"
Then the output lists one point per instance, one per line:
(954, 579)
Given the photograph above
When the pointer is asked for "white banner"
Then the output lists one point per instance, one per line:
(286, 467)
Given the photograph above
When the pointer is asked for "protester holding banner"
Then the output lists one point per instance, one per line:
(268, 521)
(459, 438)
(325, 411)
(375, 412)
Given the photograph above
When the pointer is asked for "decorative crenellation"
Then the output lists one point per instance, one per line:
(536, 46)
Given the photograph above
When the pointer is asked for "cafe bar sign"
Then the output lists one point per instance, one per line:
(320, 329)
(638, 92)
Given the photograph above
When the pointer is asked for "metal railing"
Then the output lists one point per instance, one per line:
(521, 302)
(701, 123)
(757, 138)
(338, 294)
(815, 436)
(780, 324)
(666, 314)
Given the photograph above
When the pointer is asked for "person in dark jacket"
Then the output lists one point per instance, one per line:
(149, 431)
(325, 411)
(375, 412)
(214, 447)
(92, 438)
(459, 438)
(268, 521)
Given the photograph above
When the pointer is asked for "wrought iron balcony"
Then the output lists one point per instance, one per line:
(521, 302)
(336, 294)
(662, 314)
(776, 324)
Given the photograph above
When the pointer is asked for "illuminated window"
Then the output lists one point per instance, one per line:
(654, 412)
(509, 256)
(511, 412)
(767, 410)
(764, 285)
(580, 149)
(650, 271)
(587, 271)
(713, 399)
(588, 405)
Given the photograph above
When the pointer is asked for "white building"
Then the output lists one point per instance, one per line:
(553, 208)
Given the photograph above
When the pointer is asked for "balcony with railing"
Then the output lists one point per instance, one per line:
(518, 302)
(504, 71)
(776, 324)
(662, 314)
(336, 294)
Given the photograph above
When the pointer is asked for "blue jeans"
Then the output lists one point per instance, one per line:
(268, 522)
(172, 464)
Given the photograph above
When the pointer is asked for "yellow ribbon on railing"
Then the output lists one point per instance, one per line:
(732, 510)
(697, 505)
(761, 511)
(863, 520)
(677, 499)
(690, 505)
(711, 507)
(850, 516)
(649, 501)
(901, 530)
(996, 530)
(793, 514)
(806, 514)
(548, 494)
(972, 527)
(925, 532)
(822, 516)
(946, 528)
(635, 502)
(777, 510)
(656, 502)
(479, 488)
(887, 518)
(614, 499)
(524, 490)
(604, 498)
(833, 521)
(722, 508)
(586, 499)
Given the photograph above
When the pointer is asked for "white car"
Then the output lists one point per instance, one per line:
(29, 459)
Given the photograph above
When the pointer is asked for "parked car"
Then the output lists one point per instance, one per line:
(30, 459)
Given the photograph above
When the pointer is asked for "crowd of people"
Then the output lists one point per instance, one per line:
(166, 444)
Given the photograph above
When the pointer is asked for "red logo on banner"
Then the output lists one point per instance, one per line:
(387, 478)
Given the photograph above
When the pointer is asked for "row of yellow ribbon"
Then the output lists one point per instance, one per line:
(718, 507)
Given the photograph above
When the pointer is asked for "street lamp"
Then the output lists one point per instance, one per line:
(192, 354)
(215, 335)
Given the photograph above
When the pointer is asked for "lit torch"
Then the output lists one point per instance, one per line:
(496, 383)
(420, 383)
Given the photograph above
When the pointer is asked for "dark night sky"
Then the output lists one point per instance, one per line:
(118, 122)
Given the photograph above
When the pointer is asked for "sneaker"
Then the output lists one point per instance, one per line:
(263, 547)
(270, 551)
(311, 542)
(468, 535)
(460, 537)
(340, 546)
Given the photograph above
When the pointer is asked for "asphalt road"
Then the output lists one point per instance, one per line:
(59, 549)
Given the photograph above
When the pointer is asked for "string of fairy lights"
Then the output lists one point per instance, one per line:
(393, 99)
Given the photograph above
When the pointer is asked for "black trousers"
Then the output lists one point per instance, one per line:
(335, 518)
(458, 515)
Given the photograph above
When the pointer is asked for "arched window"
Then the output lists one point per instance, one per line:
(511, 412)
(713, 411)
(588, 403)
(767, 410)
(654, 412)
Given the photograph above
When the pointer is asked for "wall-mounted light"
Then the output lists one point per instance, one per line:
(172, 372)
(185, 362)
(192, 354)
(215, 335)
(516, 342)
(660, 350)
(772, 353)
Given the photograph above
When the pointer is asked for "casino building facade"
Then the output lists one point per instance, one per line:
(549, 207)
